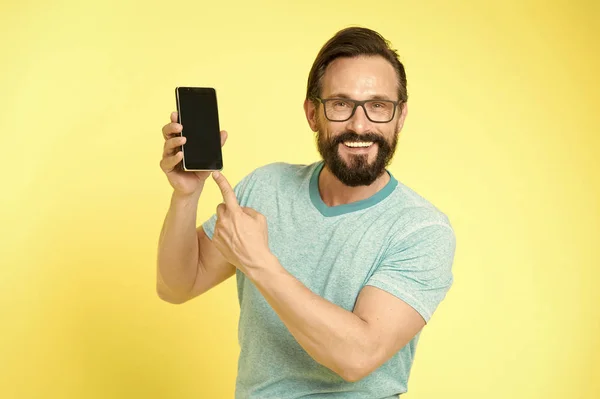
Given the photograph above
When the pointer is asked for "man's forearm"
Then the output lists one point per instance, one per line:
(178, 248)
(333, 336)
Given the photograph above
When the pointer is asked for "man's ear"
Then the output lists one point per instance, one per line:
(311, 114)
(402, 118)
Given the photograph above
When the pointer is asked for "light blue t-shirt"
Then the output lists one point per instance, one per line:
(395, 240)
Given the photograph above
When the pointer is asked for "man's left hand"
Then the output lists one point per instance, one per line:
(241, 233)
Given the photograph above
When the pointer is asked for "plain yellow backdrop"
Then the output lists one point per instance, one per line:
(502, 135)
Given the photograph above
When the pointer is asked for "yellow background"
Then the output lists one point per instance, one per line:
(502, 135)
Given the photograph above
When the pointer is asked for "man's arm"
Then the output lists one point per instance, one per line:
(188, 264)
(352, 344)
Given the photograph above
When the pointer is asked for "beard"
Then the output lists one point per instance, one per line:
(357, 171)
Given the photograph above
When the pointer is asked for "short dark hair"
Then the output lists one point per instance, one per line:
(354, 42)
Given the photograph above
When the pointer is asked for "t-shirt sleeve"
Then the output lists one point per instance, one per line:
(242, 191)
(418, 268)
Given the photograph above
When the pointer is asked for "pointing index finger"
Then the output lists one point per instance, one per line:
(228, 193)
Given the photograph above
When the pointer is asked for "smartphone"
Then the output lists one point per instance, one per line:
(198, 114)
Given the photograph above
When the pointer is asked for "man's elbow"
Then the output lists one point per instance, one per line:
(355, 371)
(169, 297)
(353, 375)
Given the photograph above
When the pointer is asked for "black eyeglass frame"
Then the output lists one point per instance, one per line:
(356, 105)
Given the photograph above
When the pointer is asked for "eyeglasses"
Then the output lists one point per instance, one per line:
(342, 109)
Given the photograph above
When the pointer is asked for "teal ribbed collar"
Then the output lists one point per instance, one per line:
(328, 211)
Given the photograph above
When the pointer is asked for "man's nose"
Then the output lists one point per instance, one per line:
(359, 122)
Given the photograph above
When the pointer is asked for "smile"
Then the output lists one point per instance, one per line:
(355, 144)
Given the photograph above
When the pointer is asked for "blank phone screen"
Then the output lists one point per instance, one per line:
(198, 114)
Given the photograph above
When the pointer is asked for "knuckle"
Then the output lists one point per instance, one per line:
(170, 129)
(164, 166)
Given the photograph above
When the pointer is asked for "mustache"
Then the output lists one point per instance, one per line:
(351, 136)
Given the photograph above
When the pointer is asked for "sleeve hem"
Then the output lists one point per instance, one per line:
(208, 229)
(403, 295)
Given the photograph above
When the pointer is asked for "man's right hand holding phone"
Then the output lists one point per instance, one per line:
(182, 245)
(184, 183)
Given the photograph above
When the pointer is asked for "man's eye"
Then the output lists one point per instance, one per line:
(340, 103)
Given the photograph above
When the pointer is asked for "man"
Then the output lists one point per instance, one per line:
(339, 266)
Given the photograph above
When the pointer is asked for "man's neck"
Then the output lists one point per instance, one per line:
(333, 192)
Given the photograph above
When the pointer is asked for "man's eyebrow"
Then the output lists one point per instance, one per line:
(347, 97)
(339, 95)
(380, 97)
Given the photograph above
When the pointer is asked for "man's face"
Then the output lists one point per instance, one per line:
(362, 78)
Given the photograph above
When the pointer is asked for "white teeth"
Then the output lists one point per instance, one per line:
(358, 143)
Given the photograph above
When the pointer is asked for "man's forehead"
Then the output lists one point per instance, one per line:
(359, 77)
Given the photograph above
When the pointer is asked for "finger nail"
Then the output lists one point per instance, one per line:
(216, 174)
